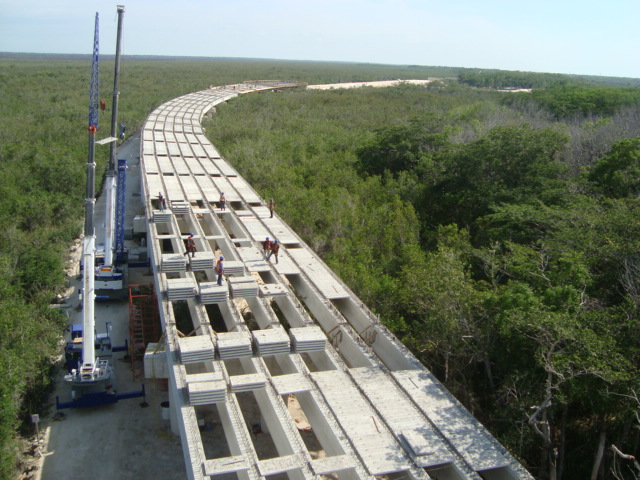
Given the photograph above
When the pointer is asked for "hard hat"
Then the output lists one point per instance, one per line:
(276, 241)
(271, 199)
(191, 234)
(267, 238)
(221, 258)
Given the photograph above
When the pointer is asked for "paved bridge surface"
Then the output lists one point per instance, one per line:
(284, 372)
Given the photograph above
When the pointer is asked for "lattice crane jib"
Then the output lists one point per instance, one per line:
(93, 92)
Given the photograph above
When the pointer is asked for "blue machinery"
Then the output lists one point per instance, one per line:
(95, 399)
(120, 211)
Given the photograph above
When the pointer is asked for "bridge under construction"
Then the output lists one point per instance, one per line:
(302, 380)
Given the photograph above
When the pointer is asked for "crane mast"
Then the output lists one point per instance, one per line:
(108, 276)
(111, 170)
(91, 370)
(88, 363)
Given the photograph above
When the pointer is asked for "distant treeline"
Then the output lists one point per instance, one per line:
(575, 100)
(505, 79)
(562, 95)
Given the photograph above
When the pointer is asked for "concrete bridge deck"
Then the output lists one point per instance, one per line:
(277, 335)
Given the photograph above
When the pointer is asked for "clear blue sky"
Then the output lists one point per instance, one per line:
(558, 36)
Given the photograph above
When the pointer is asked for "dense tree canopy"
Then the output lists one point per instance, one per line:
(618, 173)
(574, 100)
(505, 79)
(510, 274)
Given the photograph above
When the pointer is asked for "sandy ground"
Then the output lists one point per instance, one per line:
(124, 440)
(391, 83)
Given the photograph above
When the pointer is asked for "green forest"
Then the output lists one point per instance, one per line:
(495, 233)
(494, 237)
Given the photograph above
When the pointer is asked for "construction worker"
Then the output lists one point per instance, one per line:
(191, 246)
(223, 201)
(272, 206)
(275, 249)
(266, 248)
(220, 270)
(161, 201)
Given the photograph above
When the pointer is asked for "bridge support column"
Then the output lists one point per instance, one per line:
(175, 428)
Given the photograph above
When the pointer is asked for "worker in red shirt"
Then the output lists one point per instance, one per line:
(220, 270)
(266, 248)
(275, 248)
(191, 246)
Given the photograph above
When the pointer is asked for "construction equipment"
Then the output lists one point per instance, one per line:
(92, 376)
(92, 372)
(108, 276)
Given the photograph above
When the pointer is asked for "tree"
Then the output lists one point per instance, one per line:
(508, 165)
(405, 147)
(617, 174)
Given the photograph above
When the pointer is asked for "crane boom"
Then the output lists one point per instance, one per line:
(89, 241)
(88, 354)
(93, 91)
(115, 278)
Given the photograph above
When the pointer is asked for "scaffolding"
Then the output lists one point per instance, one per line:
(144, 324)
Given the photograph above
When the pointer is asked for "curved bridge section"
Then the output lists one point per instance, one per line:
(281, 371)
